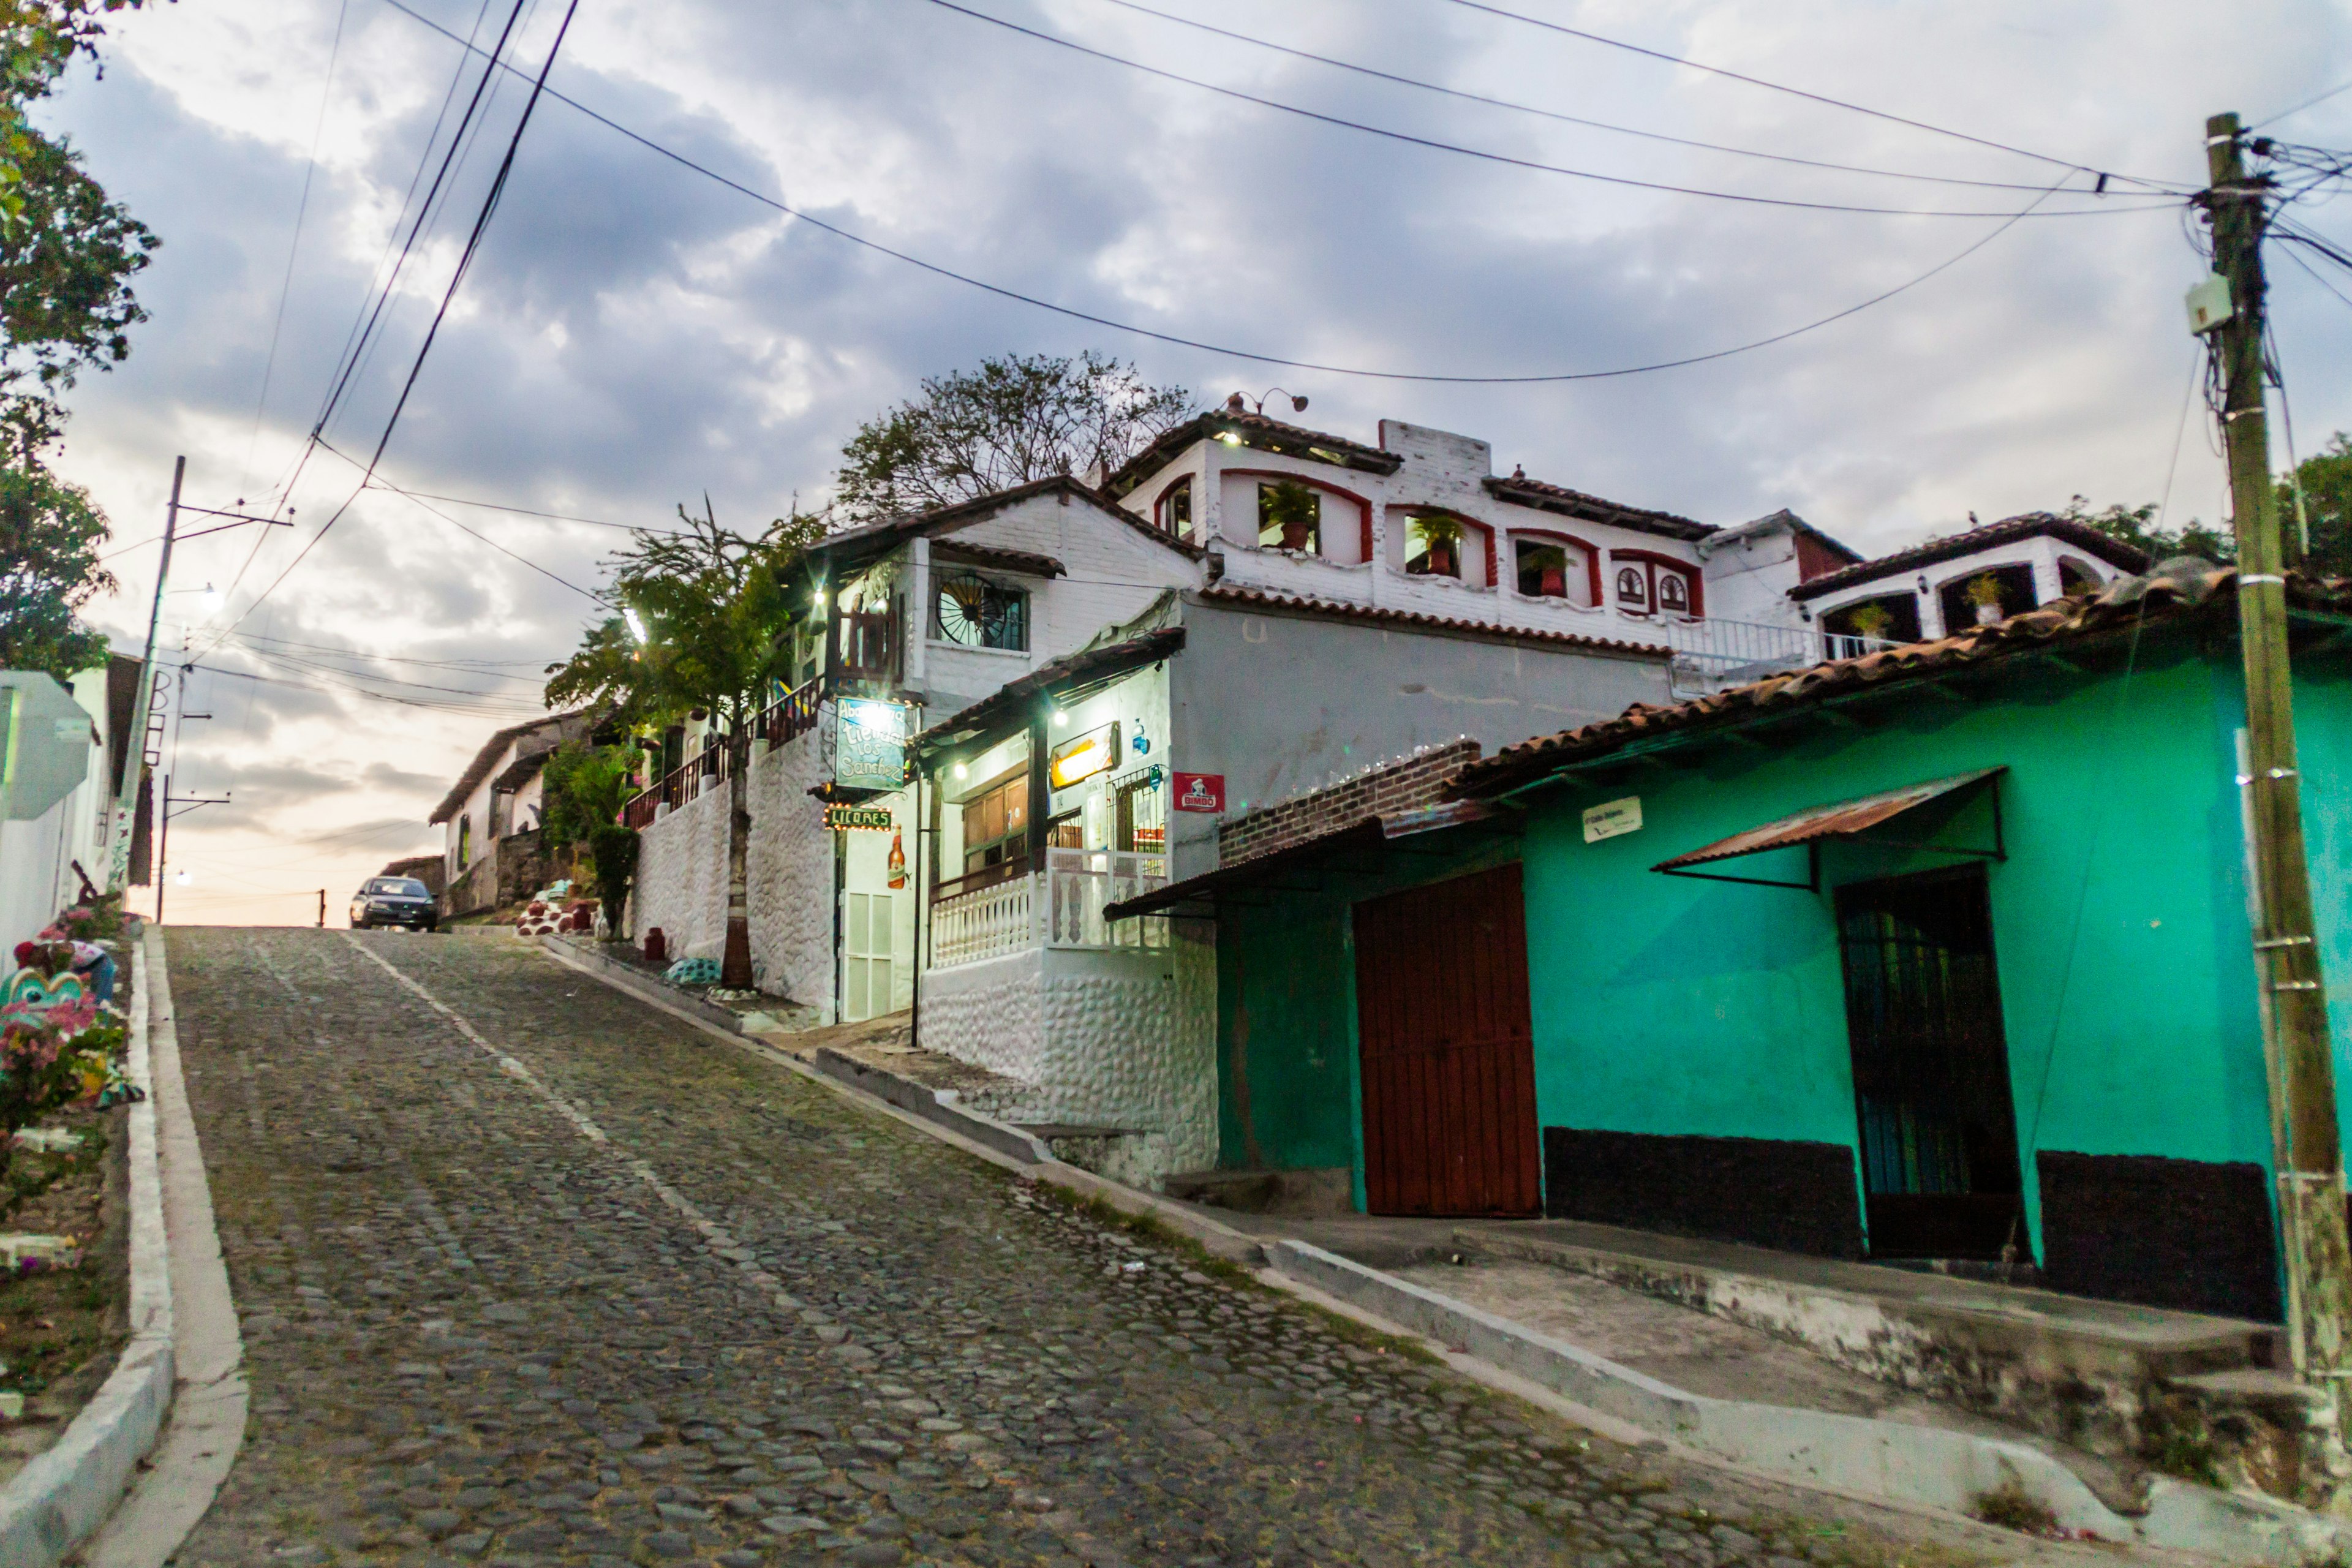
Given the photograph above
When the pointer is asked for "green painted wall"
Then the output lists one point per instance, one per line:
(1664, 1005)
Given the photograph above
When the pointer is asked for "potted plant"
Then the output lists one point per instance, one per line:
(1441, 543)
(1871, 621)
(1291, 511)
(1984, 592)
(1550, 564)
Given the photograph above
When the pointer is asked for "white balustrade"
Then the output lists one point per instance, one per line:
(987, 922)
(1081, 882)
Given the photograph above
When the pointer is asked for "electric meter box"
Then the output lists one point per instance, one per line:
(2208, 304)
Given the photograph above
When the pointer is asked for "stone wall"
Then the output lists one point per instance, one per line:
(680, 884)
(1409, 783)
(790, 870)
(1101, 1039)
(509, 871)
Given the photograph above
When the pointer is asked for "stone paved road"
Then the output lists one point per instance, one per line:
(532, 1274)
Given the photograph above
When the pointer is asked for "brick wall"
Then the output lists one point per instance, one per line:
(1409, 783)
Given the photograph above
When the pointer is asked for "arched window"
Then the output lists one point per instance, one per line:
(1633, 589)
(1648, 581)
(1673, 592)
(1174, 511)
(2078, 579)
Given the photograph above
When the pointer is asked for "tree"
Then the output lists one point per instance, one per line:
(2326, 480)
(49, 567)
(38, 39)
(714, 613)
(585, 787)
(1014, 420)
(2134, 525)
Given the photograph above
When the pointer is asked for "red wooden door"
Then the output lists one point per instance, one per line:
(1448, 1061)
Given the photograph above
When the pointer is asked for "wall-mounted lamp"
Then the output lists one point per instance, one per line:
(962, 772)
(1060, 718)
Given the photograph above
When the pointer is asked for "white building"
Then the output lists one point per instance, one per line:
(1076, 682)
(61, 757)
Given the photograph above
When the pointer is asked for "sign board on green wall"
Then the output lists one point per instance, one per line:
(1612, 817)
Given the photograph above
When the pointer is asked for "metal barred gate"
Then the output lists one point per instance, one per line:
(1447, 1058)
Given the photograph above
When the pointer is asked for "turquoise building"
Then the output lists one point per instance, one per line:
(1940, 953)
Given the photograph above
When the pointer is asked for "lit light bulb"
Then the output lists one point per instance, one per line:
(962, 772)
(212, 599)
(183, 879)
(1060, 718)
(636, 627)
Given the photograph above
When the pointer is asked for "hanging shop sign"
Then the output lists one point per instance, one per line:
(869, 748)
(1612, 817)
(844, 818)
(1199, 791)
(1083, 756)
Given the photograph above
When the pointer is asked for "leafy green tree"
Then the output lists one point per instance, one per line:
(38, 39)
(1014, 420)
(49, 567)
(584, 787)
(2326, 480)
(716, 614)
(2135, 526)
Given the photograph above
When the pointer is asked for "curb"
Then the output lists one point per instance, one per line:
(206, 1430)
(933, 1105)
(1878, 1461)
(621, 977)
(56, 1501)
(1893, 1461)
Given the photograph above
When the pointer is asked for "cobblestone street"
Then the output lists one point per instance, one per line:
(531, 1273)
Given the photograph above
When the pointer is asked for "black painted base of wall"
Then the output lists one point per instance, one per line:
(2187, 1233)
(1797, 1197)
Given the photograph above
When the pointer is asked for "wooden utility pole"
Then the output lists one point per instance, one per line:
(2286, 958)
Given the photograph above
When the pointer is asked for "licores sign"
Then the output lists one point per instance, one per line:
(1083, 756)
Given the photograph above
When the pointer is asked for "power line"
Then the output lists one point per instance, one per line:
(371, 482)
(350, 365)
(416, 368)
(484, 666)
(1534, 165)
(2307, 103)
(479, 710)
(1480, 98)
(2173, 187)
(294, 248)
(1255, 357)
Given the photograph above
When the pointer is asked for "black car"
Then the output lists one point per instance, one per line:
(393, 901)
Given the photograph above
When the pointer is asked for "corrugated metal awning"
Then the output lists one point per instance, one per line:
(1846, 820)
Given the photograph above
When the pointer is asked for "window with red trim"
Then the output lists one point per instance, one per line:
(1646, 584)
(1173, 514)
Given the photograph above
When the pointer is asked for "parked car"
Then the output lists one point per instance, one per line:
(393, 901)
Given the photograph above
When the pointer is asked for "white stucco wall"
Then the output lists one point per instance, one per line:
(1105, 1039)
(791, 872)
(681, 879)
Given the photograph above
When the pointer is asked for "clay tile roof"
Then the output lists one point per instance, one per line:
(853, 546)
(2179, 587)
(1258, 431)
(2008, 531)
(558, 728)
(1336, 609)
(1559, 498)
(1008, 701)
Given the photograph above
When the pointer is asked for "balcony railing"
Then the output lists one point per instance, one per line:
(786, 719)
(1712, 653)
(1080, 882)
(988, 921)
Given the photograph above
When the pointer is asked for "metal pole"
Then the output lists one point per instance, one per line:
(2286, 958)
(163, 844)
(128, 797)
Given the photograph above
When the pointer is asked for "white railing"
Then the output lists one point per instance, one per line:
(1712, 653)
(987, 922)
(1080, 882)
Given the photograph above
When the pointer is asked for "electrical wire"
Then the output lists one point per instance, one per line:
(371, 482)
(294, 248)
(2307, 103)
(1492, 10)
(1479, 98)
(1536, 165)
(416, 368)
(482, 710)
(1255, 357)
(348, 366)
(483, 666)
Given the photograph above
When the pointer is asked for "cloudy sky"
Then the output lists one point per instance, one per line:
(634, 335)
